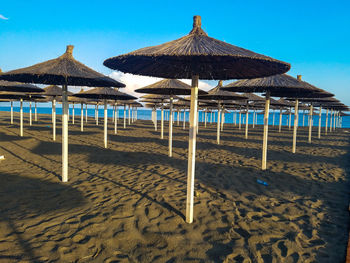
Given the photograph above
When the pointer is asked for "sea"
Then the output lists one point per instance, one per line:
(146, 114)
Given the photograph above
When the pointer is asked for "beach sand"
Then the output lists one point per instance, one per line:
(126, 203)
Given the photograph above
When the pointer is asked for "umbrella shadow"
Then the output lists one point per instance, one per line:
(23, 196)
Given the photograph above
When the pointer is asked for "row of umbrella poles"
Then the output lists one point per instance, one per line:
(194, 56)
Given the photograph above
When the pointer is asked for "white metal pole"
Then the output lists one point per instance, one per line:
(97, 114)
(35, 113)
(310, 123)
(222, 119)
(218, 124)
(155, 119)
(54, 119)
(81, 117)
(129, 114)
(205, 118)
(280, 122)
(105, 124)
(319, 122)
(266, 129)
(64, 135)
(239, 120)
(192, 150)
(116, 118)
(296, 117)
(86, 114)
(171, 127)
(246, 122)
(162, 122)
(11, 112)
(253, 118)
(273, 118)
(30, 113)
(330, 120)
(178, 117)
(21, 119)
(184, 120)
(290, 118)
(73, 117)
(124, 116)
(326, 126)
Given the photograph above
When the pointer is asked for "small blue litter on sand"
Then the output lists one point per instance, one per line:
(262, 182)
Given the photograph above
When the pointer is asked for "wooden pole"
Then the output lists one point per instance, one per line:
(155, 119)
(171, 127)
(35, 113)
(105, 124)
(192, 150)
(11, 112)
(64, 135)
(184, 120)
(81, 117)
(129, 115)
(205, 118)
(253, 118)
(86, 112)
(178, 117)
(319, 122)
(218, 124)
(97, 114)
(266, 128)
(280, 122)
(310, 123)
(303, 118)
(162, 122)
(124, 116)
(30, 113)
(296, 118)
(222, 119)
(197, 121)
(290, 117)
(239, 120)
(21, 119)
(273, 118)
(54, 119)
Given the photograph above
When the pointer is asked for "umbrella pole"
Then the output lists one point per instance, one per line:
(105, 124)
(184, 120)
(178, 117)
(54, 119)
(235, 117)
(197, 121)
(253, 118)
(218, 124)
(296, 118)
(239, 120)
(124, 116)
(266, 129)
(303, 118)
(64, 135)
(21, 119)
(171, 128)
(205, 118)
(290, 118)
(310, 123)
(155, 119)
(81, 117)
(132, 114)
(35, 113)
(86, 112)
(97, 114)
(222, 119)
(129, 115)
(115, 118)
(73, 114)
(162, 123)
(246, 122)
(280, 122)
(192, 150)
(30, 113)
(11, 112)
(319, 123)
(273, 118)
(326, 126)
(330, 121)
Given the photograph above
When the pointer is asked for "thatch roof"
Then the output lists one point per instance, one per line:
(104, 93)
(13, 86)
(277, 85)
(252, 97)
(19, 95)
(168, 87)
(197, 54)
(64, 70)
(217, 93)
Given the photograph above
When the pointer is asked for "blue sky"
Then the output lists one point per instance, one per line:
(314, 36)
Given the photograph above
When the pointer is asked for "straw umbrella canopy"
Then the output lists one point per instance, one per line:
(64, 70)
(196, 56)
(104, 93)
(220, 95)
(11, 86)
(168, 87)
(21, 96)
(281, 83)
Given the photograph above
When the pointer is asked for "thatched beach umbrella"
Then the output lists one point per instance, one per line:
(64, 70)
(169, 87)
(196, 56)
(272, 86)
(21, 97)
(104, 93)
(220, 95)
(11, 86)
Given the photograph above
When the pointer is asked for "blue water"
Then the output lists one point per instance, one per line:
(147, 114)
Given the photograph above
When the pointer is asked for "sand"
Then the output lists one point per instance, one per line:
(126, 203)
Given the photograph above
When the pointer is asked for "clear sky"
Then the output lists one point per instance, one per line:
(314, 36)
